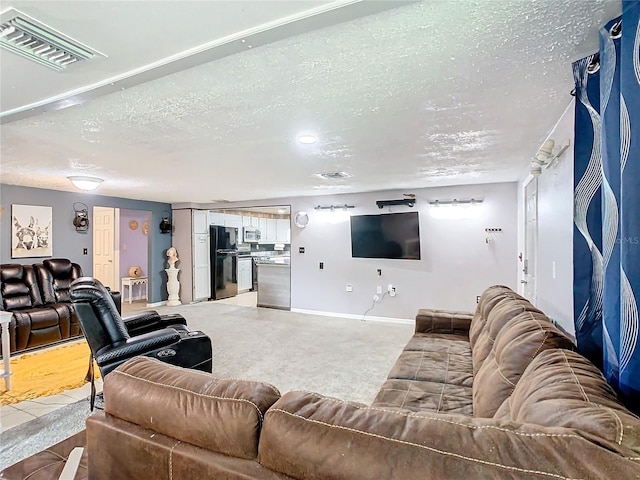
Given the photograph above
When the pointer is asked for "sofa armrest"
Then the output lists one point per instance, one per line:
(443, 321)
(149, 321)
(117, 299)
(311, 437)
(137, 346)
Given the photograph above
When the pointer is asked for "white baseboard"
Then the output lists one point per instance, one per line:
(368, 318)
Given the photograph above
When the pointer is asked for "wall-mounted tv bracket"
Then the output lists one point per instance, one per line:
(409, 202)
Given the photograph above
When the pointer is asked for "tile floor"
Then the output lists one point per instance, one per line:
(19, 413)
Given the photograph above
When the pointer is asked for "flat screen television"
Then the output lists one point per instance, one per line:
(389, 235)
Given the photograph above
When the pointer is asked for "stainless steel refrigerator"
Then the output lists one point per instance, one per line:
(224, 262)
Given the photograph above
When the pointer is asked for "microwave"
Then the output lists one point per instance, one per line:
(250, 235)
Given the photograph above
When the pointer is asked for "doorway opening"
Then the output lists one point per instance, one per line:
(121, 247)
(262, 271)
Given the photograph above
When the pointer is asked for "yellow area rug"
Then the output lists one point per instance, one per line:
(46, 373)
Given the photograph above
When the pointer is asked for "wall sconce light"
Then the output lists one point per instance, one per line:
(85, 183)
(165, 223)
(547, 154)
(333, 208)
(334, 213)
(81, 217)
(453, 209)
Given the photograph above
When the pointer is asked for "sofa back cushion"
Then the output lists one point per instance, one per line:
(561, 388)
(55, 276)
(19, 287)
(221, 415)
(500, 315)
(516, 345)
(489, 298)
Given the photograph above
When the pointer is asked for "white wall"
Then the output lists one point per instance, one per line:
(554, 293)
(456, 262)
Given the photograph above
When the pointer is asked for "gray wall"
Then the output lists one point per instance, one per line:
(68, 243)
(456, 264)
(554, 293)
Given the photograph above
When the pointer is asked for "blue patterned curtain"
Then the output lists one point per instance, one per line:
(587, 211)
(607, 203)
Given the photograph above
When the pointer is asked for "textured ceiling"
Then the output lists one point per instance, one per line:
(433, 93)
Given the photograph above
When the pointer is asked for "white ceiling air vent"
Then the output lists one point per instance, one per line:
(333, 175)
(35, 41)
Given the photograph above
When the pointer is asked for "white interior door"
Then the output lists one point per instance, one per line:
(105, 267)
(530, 240)
(201, 272)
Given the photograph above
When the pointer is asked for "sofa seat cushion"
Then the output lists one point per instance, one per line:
(221, 415)
(419, 396)
(436, 358)
(561, 388)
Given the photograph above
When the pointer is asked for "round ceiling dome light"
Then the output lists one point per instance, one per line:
(307, 138)
(85, 183)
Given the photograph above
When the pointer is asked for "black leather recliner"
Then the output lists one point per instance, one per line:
(113, 341)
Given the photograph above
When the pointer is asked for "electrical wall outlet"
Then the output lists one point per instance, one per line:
(349, 287)
(379, 289)
(392, 291)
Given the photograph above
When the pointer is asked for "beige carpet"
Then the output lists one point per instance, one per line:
(343, 358)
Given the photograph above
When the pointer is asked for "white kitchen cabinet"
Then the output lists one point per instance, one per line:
(255, 222)
(245, 277)
(234, 221)
(201, 273)
(216, 218)
(283, 230)
(271, 231)
(200, 221)
(262, 226)
(246, 221)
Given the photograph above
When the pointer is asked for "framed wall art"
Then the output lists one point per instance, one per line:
(31, 231)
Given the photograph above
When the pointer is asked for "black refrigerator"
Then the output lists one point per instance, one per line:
(224, 262)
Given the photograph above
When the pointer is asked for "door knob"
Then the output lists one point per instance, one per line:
(523, 281)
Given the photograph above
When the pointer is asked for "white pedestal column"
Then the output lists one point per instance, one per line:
(173, 286)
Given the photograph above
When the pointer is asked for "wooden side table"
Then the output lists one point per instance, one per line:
(5, 319)
(130, 282)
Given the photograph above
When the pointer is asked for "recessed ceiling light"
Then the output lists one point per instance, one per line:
(307, 138)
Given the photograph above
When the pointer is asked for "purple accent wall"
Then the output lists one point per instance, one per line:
(134, 244)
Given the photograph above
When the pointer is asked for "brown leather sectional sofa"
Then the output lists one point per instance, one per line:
(494, 394)
(38, 296)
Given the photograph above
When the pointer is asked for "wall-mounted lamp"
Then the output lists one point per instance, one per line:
(333, 213)
(455, 208)
(81, 217)
(547, 154)
(165, 223)
(333, 208)
(85, 183)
